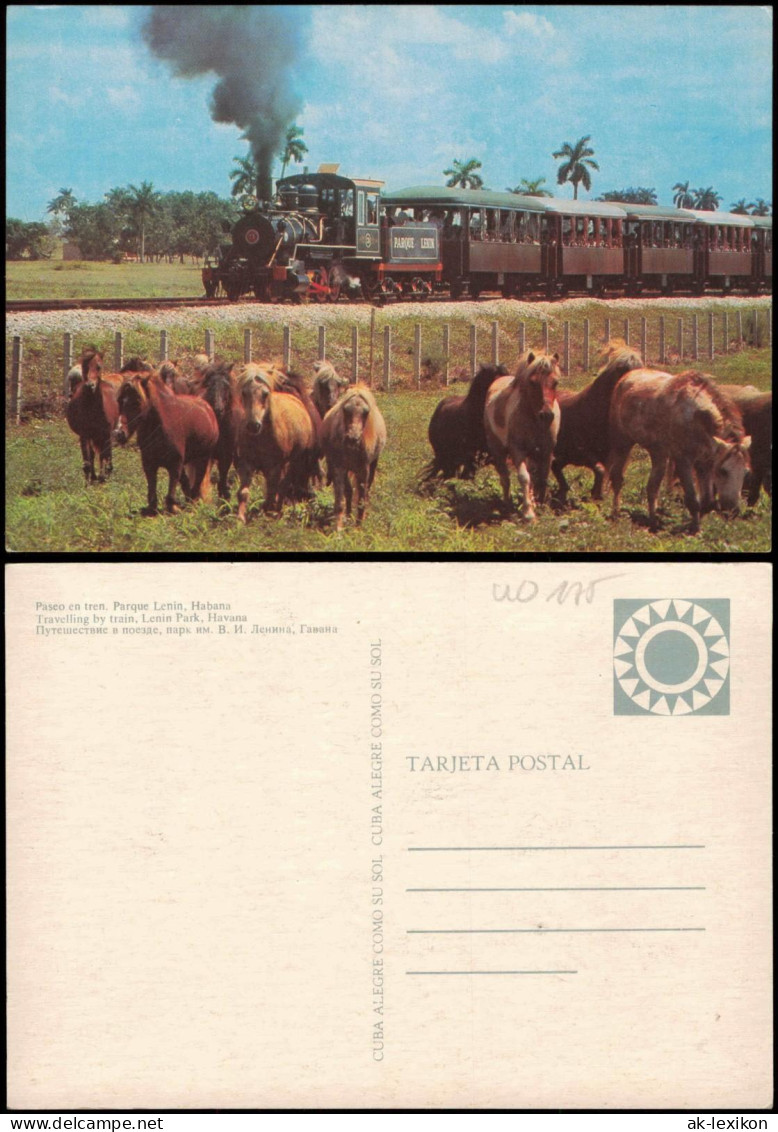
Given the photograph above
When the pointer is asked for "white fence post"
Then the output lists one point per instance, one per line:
(387, 358)
(287, 347)
(209, 344)
(661, 340)
(354, 354)
(495, 343)
(247, 347)
(322, 343)
(118, 350)
(16, 379)
(68, 361)
(473, 348)
(163, 346)
(446, 349)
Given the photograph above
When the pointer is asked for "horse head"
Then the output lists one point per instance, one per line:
(255, 399)
(91, 368)
(133, 401)
(730, 464)
(541, 377)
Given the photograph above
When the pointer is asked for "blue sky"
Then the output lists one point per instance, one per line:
(667, 93)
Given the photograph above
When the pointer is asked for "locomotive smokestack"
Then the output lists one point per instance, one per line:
(253, 51)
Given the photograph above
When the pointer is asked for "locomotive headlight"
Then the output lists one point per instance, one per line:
(249, 203)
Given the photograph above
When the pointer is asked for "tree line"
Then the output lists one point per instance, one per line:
(577, 164)
(139, 220)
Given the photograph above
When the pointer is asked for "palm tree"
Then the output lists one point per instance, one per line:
(245, 175)
(760, 207)
(144, 203)
(294, 149)
(530, 188)
(707, 200)
(683, 197)
(462, 174)
(574, 168)
(739, 207)
(62, 203)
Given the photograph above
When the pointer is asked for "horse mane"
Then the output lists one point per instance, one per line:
(136, 365)
(479, 386)
(325, 370)
(217, 386)
(532, 364)
(715, 407)
(618, 358)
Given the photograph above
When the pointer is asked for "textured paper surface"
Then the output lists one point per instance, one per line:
(224, 893)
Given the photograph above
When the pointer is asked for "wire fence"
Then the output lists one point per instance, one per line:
(403, 354)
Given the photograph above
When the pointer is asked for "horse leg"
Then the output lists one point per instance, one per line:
(273, 496)
(599, 480)
(705, 484)
(686, 476)
(244, 473)
(501, 463)
(106, 464)
(362, 490)
(525, 489)
(617, 462)
(88, 459)
(200, 469)
(658, 468)
(757, 477)
(559, 475)
(150, 471)
(174, 473)
(339, 481)
(349, 489)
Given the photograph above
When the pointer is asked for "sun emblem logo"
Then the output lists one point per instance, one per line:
(671, 657)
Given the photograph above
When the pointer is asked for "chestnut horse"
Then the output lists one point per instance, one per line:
(92, 413)
(685, 419)
(521, 419)
(276, 437)
(456, 429)
(583, 427)
(353, 437)
(174, 432)
(757, 411)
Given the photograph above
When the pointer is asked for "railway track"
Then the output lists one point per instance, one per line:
(20, 305)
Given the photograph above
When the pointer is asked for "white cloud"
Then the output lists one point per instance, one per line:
(123, 97)
(525, 23)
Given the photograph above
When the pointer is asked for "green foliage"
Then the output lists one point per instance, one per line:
(530, 188)
(245, 175)
(707, 200)
(683, 196)
(462, 174)
(294, 149)
(574, 167)
(630, 196)
(27, 240)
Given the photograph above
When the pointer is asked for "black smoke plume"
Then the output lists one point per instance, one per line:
(252, 50)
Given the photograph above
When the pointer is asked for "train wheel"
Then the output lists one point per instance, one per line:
(320, 284)
(370, 288)
(335, 289)
(234, 289)
(261, 292)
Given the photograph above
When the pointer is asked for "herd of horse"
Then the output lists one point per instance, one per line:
(257, 418)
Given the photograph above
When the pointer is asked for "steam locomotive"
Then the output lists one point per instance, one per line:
(325, 235)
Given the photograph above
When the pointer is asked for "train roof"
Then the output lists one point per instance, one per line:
(657, 212)
(329, 180)
(731, 219)
(586, 207)
(762, 221)
(431, 195)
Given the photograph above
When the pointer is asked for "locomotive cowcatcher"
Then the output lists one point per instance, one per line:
(322, 236)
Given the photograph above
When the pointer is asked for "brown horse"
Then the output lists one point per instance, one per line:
(456, 429)
(92, 413)
(276, 437)
(353, 437)
(281, 381)
(178, 433)
(328, 386)
(757, 411)
(220, 391)
(583, 427)
(521, 419)
(685, 419)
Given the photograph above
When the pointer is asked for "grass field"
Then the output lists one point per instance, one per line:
(50, 509)
(80, 279)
